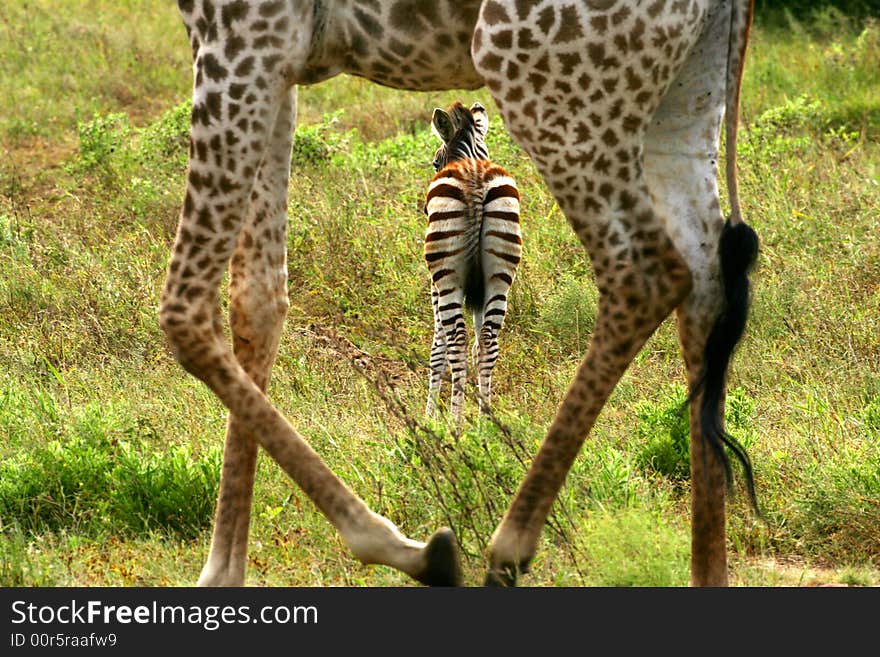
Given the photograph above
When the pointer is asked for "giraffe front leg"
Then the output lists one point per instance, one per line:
(258, 304)
(225, 158)
(617, 338)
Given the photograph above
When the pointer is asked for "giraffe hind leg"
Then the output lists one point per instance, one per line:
(586, 140)
(681, 154)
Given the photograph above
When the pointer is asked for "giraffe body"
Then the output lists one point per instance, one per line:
(618, 103)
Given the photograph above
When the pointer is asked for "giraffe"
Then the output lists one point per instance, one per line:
(618, 103)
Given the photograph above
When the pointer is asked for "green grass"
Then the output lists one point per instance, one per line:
(110, 452)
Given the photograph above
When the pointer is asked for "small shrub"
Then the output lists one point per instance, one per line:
(171, 492)
(664, 429)
(316, 144)
(93, 481)
(837, 514)
(634, 548)
(103, 143)
(664, 432)
(19, 566)
(569, 314)
(168, 136)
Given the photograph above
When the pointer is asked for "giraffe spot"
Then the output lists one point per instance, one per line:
(631, 123)
(244, 68)
(234, 11)
(269, 9)
(584, 82)
(620, 15)
(523, 8)
(368, 23)
(410, 17)
(400, 48)
(563, 86)
(234, 45)
(493, 13)
(569, 61)
(491, 62)
(270, 62)
(503, 39)
(477, 41)
(633, 81)
(610, 138)
(268, 41)
(213, 69)
(569, 26)
(537, 81)
(525, 40)
(546, 18)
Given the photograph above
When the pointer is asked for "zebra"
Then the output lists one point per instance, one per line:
(473, 245)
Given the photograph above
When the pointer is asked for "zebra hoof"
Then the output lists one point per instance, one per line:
(442, 567)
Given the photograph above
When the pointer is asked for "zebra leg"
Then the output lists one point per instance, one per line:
(488, 354)
(494, 313)
(451, 321)
(439, 362)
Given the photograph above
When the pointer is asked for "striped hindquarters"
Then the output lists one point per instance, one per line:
(473, 239)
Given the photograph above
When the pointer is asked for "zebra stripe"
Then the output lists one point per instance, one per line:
(473, 246)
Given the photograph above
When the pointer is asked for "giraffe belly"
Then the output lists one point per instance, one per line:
(406, 44)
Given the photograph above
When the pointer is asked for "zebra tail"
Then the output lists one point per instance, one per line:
(474, 285)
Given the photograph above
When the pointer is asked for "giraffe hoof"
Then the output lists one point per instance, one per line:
(442, 563)
(504, 577)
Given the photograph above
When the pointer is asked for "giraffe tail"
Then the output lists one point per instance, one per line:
(737, 250)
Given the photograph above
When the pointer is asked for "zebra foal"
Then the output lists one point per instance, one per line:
(473, 246)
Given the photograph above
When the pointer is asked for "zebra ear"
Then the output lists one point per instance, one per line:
(441, 125)
(481, 119)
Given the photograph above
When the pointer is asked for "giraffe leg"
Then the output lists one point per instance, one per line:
(439, 362)
(258, 306)
(681, 154)
(225, 158)
(586, 138)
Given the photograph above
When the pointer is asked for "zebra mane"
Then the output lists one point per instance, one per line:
(462, 132)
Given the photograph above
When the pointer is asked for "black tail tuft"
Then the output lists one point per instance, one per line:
(474, 285)
(738, 250)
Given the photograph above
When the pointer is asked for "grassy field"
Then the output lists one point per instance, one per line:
(109, 452)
